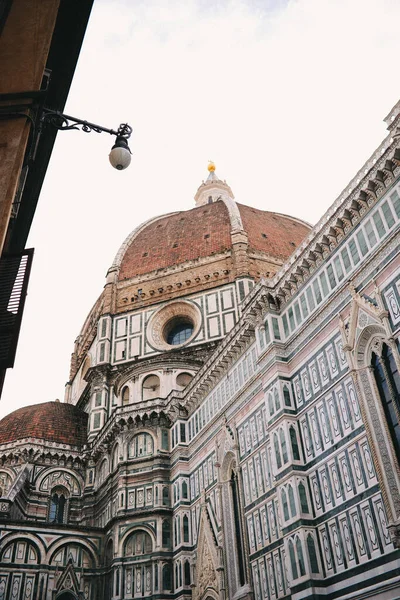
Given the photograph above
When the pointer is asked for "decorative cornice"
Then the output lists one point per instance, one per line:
(140, 414)
(28, 449)
(362, 193)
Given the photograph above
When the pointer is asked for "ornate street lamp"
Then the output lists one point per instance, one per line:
(120, 155)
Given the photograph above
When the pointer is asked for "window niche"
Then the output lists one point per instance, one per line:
(167, 578)
(151, 387)
(312, 555)
(115, 456)
(138, 544)
(286, 396)
(141, 445)
(183, 380)
(187, 572)
(166, 534)
(387, 379)
(185, 525)
(165, 496)
(296, 558)
(304, 504)
(125, 396)
(58, 505)
(294, 443)
(185, 491)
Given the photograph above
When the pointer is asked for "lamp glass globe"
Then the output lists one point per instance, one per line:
(120, 158)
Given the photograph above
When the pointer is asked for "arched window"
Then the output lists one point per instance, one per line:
(187, 572)
(277, 452)
(115, 458)
(141, 445)
(166, 534)
(388, 382)
(184, 490)
(303, 498)
(270, 405)
(283, 446)
(103, 471)
(312, 554)
(292, 502)
(293, 560)
(300, 557)
(165, 496)
(286, 395)
(276, 398)
(108, 580)
(166, 578)
(83, 559)
(138, 543)
(109, 553)
(185, 529)
(125, 396)
(177, 530)
(183, 379)
(19, 551)
(238, 526)
(151, 387)
(178, 331)
(58, 506)
(294, 443)
(285, 506)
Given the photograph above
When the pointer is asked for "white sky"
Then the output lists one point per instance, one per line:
(287, 98)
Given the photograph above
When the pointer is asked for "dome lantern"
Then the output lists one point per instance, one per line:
(212, 189)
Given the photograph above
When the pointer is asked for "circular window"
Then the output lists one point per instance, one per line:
(174, 325)
(178, 331)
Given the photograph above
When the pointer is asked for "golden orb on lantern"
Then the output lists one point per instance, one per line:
(211, 166)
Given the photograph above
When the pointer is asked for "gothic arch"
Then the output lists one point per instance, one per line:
(68, 479)
(7, 477)
(232, 517)
(102, 470)
(228, 464)
(108, 550)
(370, 338)
(88, 546)
(366, 334)
(142, 527)
(136, 434)
(142, 430)
(26, 537)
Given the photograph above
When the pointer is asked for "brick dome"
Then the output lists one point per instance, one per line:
(205, 231)
(50, 421)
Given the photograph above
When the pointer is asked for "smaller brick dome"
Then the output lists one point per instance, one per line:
(50, 421)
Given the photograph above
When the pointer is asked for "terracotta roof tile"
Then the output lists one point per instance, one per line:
(52, 421)
(204, 231)
(272, 233)
(177, 238)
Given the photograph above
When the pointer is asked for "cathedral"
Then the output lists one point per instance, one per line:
(231, 423)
